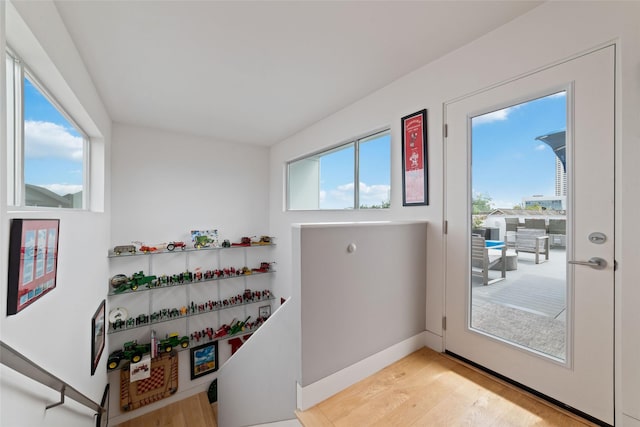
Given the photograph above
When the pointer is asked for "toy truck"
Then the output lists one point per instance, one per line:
(130, 351)
(172, 341)
(131, 283)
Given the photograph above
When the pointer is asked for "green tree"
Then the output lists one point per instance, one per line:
(481, 203)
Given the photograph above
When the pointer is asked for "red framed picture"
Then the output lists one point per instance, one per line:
(33, 261)
(414, 159)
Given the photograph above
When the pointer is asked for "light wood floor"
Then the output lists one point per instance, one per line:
(427, 388)
(194, 411)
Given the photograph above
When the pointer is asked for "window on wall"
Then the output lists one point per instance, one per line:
(327, 180)
(47, 152)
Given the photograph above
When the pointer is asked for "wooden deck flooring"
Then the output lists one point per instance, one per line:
(429, 389)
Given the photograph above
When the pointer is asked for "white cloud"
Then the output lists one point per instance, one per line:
(374, 194)
(50, 140)
(63, 189)
(495, 116)
(342, 195)
(540, 147)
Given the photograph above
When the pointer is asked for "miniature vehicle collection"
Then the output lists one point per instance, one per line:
(119, 318)
(199, 238)
(121, 283)
(133, 352)
(194, 308)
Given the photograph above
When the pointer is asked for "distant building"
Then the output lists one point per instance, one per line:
(556, 203)
(561, 179)
(557, 142)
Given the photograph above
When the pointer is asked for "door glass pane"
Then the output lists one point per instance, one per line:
(518, 222)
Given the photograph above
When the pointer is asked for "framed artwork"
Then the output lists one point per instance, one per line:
(204, 359)
(97, 336)
(264, 311)
(33, 261)
(415, 189)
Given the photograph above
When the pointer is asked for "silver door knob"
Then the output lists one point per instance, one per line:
(595, 262)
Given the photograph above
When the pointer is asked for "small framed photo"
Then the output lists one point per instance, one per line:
(97, 336)
(33, 261)
(415, 188)
(264, 311)
(204, 359)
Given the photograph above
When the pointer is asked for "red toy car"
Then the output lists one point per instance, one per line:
(172, 245)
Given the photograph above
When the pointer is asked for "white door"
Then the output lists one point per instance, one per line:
(548, 324)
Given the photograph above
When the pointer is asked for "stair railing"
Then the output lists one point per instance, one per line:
(19, 363)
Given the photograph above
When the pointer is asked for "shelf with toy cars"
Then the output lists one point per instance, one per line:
(141, 249)
(138, 282)
(207, 293)
(132, 351)
(116, 323)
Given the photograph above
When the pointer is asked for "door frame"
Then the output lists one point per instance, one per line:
(570, 202)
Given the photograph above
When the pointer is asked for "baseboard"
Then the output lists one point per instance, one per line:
(433, 341)
(629, 421)
(315, 393)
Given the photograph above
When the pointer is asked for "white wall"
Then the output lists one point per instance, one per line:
(164, 185)
(55, 331)
(549, 33)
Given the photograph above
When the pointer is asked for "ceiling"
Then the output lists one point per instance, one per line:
(259, 71)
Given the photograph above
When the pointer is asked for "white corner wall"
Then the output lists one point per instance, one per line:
(552, 32)
(54, 332)
(165, 184)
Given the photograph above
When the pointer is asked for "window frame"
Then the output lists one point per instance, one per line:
(16, 185)
(356, 169)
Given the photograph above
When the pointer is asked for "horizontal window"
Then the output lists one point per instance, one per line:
(326, 180)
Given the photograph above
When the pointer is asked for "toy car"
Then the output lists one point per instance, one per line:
(172, 341)
(146, 249)
(264, 240)
(172, 245)
(131, 351)
(123, 283)
(124, 248)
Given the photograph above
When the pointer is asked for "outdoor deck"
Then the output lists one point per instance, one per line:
(528, 307)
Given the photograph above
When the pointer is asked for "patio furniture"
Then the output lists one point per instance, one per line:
(558, 233)
(483, 258)
(512, 224)
(533, 241)
(535, 223)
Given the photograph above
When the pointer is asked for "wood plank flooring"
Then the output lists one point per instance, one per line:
(194, 411)
(427, 388)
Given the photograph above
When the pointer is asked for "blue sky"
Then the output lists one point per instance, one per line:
(508, 162)
(53, 148)
(337, 180)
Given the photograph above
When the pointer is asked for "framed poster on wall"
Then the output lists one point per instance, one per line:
(97, 336)
(33, 261)
(415, 189)
(204, 359)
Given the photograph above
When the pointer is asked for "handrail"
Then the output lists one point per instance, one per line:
(19, 363)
